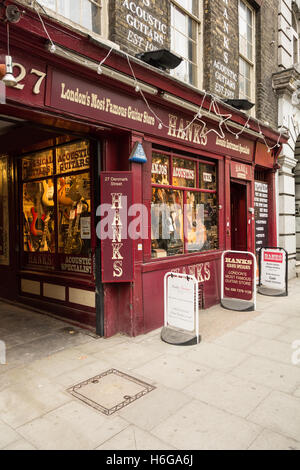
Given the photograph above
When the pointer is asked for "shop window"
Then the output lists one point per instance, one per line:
(86, 13)
(185, 26)
(246, 51)
(4, 211)
(57, 209)
(184, 216)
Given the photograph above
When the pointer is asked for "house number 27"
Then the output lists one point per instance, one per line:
(22, 74)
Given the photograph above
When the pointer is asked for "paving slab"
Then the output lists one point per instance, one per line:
(61, 362)
(229, 393)
(127, 355)
(292, 322)
(133, 438)
(96, 345)
(172, 372)
(21, 444)
(259, 328)
(20, 375)
(272, 317)
(73, 426)
(215, 356)
(280, 413)
(269, 440)
(236, 340)
(289, 335)
(154, 408)
(277, 376)
(7, 435)
(19, 405)
(203, 427)
(84, 371)
(272, 349)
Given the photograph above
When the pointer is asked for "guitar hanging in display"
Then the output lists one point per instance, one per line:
(48, 193)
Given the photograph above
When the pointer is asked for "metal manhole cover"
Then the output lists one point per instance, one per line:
(110, 391)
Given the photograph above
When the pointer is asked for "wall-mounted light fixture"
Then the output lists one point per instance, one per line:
(8, 79)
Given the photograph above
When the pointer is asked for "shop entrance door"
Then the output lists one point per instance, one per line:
(238, 198)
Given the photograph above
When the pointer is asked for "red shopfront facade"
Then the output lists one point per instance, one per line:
(71, 126)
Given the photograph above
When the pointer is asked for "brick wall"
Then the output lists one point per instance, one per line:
(140, 25)
(220, 46)
(221, 52)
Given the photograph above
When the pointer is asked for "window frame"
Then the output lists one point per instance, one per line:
(64, 19)
(185, 189)
(198, 45)
(251, 62)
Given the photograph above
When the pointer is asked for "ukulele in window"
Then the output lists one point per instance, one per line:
(62, 193)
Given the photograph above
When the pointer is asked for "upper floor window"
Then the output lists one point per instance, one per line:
(185, 26)
(295, 39)
(246, 51)
(86, 13)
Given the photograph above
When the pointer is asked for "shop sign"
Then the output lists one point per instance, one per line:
(261, 210)
(73, 157)
(116, 244)
(226, 78)
(273, 279)
(238, 280)
(30, 75)
(180, 309)
(84, 98)
(146, 27)
(75, 264)
(37, 165)
(241, 171)
(207, 177)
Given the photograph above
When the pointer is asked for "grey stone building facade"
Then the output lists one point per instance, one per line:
(286, 82)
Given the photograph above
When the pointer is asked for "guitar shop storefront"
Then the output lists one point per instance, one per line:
(61, 127)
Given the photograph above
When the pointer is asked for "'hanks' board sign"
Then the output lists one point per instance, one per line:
(238, 289)
(238, 276)
(117, 246)
(273, 271)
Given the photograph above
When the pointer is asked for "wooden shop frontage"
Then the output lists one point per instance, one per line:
(66, 131)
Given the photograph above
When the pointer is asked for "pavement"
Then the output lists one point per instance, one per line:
(238, 389)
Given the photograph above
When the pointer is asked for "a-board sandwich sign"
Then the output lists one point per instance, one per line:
(238, 280)
(181, 304)
(273, 272)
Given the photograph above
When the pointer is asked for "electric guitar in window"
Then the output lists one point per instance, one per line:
(48, 193)
(37, 224)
